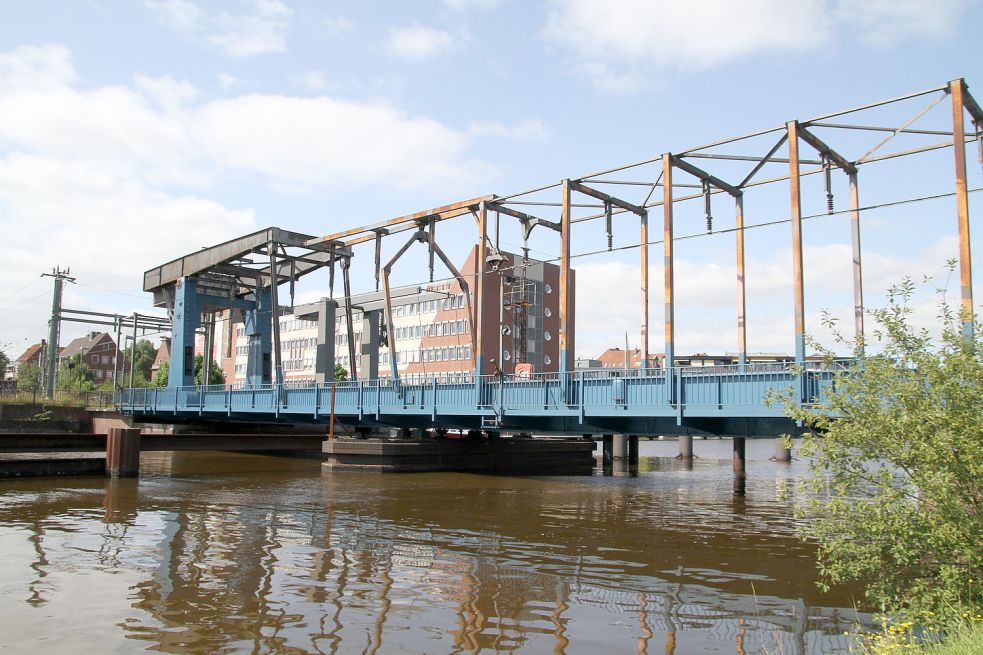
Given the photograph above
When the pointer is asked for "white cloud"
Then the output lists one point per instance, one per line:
(886, 23)
(259, 32)
(620, 44)
(525, 130)
(182, 16)
(418, 42)
(465, 5)
(112, 179)
(261, 29)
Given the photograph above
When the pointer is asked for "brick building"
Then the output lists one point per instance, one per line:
(99, 353)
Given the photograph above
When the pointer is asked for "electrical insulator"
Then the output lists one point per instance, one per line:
(706, 206)
(829, 184)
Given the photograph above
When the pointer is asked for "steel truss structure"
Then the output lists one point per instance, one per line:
(800, 148)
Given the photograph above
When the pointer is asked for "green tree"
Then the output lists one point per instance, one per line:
(142, 358)
(216, 376)
(340, 373)
(75, 375)
(29, 377)
(160, 378)
(897, 448)
(4, 360)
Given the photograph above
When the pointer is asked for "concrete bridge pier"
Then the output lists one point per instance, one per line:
(685, 446)
(782, 454)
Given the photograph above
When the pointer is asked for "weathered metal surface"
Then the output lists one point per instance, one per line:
(858, 284)
(957, 90)
(796, 221)
(667, 243)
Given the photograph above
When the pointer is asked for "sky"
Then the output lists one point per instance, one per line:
(132, 133)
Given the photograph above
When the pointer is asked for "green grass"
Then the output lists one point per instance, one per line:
(963, 639)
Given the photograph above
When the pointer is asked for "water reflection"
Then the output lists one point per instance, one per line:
(223, 553)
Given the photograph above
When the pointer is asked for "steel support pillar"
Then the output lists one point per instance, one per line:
(957, 89)
(667, 244)
(479, 267)
(186, 319)
(645, 289)
(858, 287)
(324, 360)
(740, 462)
(741, 295)
(633, 450)
(275, 317)
(566, 353)
(258, 330)
(607, 449)
(685, 446)
(123, 453)
(797, 268)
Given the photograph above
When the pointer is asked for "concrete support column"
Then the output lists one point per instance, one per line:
(740, 464)
(782, 454)
(123, 453)
(633, 450)
(620, 446)
(324, 357)
(685, 446)
(368, 365)
(607, 457)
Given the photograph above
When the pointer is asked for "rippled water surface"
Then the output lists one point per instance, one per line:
(220, 553)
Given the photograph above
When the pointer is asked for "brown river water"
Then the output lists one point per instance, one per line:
(225, 553)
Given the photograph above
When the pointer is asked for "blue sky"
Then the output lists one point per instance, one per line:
(135, 132)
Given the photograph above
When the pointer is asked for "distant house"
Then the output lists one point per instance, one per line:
(31, 356)
(99, 353)
(617, 358)
(163, 356)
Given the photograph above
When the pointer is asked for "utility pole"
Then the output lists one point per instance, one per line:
(54, 329)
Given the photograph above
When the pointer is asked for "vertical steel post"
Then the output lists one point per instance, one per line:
(957, 89)
(741, 295)
(858, 288)
(346, 265)
(479, 305)
(133, 350)
(118, 320)
(796, 219)
(645, 288)
(206, 364)
(667, 244)
(564, 342)
(275, 317)
(378, 258)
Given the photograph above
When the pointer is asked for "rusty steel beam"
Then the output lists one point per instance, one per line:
(741, 295)
(957, 88)
(684, 165)
(669, 357)
(522, 216)
(465, 289)
(858, 287)
(797, 269)
(436, 212)
(564, 300)
(606, 198)
(824, 149)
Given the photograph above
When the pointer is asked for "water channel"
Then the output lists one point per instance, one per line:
(226, 553)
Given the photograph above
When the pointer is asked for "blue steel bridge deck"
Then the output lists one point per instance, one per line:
(681, 400)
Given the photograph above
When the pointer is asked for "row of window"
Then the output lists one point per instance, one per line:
(449, 354)
(105, 359)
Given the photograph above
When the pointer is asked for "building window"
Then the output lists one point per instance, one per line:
(460, 326)
(109, 375)
(95, 359)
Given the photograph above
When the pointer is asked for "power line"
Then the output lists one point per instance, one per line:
(11, 295)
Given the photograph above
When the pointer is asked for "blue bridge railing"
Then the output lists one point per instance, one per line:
(578, 397)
